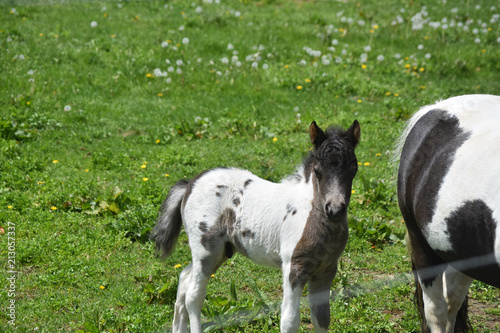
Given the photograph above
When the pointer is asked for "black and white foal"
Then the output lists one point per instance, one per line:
(449, 195)
(298, 225)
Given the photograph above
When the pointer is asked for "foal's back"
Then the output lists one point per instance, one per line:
(254, 213)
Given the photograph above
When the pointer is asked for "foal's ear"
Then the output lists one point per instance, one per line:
(316, 134)
(354, 133)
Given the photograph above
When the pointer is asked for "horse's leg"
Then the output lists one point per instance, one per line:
(443, 298)
(456, 286)
(195, 295)
(290, 308)
(203, 267)
(435, 306)
(319, 300)
(181, 315)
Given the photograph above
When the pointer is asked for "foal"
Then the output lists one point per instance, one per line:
(298, 225)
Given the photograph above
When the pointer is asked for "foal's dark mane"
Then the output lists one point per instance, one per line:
(330, 132)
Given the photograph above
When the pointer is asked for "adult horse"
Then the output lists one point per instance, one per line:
(298, 225)
(449, 196)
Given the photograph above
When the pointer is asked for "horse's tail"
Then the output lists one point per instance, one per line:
(169, 223)
(462, 323)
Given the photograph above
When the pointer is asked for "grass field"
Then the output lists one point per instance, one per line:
(105, 105)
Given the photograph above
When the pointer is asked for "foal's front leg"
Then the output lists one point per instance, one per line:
(290, 308)
(319, 300)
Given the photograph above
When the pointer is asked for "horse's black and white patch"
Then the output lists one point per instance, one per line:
(448, 183)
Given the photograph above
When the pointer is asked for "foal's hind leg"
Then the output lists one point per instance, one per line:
(203, 266)
(180, 323)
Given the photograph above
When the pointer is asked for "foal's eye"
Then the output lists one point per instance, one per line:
(317, 173)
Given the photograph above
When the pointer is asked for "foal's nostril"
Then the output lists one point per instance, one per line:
(335, 212)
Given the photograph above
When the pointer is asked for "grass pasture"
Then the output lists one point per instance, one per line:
(104, 105)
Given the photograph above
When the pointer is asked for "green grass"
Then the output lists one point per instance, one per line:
(91, 141)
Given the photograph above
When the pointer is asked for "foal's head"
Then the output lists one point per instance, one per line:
(333, 166)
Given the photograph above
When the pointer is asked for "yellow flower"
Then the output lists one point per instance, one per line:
(372, 31)
(375, 27)
(353, 191)
(407, 66)
(388, 93)
(275, 139)
(145, 179)
(396, 95)
(423, 87)
(102, 287)
(9, 207)
(359, 101)
(308, 80)
(287, 66)
(55, 161)
(166, 175)
(483, 50)
(177, 266)
(378, 154)
(53, 208)
(113, 36)
(160, 95)
(158, 141)
(143, 166)
(363, 66)
(299, 87)
(149, 75)
(213, 275)
(366, 163)
(86, 170)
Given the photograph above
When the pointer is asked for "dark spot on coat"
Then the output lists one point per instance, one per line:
(236, 201)
(248, 182)
(248, 233)
(222, 187)
(472, 231)
(218, 194)
(203, 226)
(290, 209)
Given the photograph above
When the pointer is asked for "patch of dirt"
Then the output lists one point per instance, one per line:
(482, 315)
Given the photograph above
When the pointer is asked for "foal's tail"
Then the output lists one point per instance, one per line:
(169, 223)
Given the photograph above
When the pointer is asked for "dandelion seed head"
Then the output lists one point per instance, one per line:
(185, 40)
(67, 108)
(367, 48)
(93, 24)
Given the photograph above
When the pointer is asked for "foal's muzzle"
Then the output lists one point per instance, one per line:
(336, 212)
